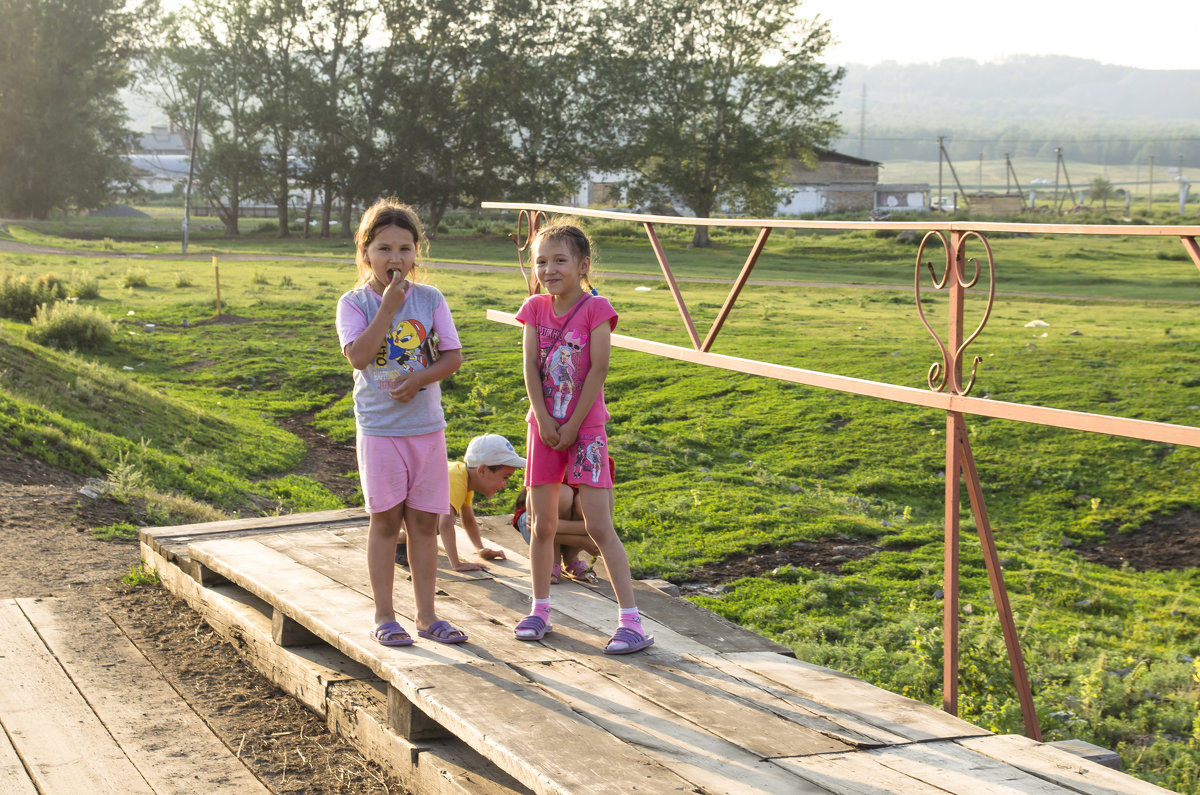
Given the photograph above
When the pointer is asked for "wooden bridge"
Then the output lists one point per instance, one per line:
(710, 708)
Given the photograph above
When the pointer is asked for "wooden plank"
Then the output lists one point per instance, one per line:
(675, 623)
(338, 615)
(446, 766)
(856, 773)
(1059, 766)
(245, 620)
(345, 562)
(872, 705)
(953, 768)
(539, 741)
(174, 749)
(663, 679)
(711, 762)
(64, 746)
(13, 778)
(171, 542)
(344, 692)
(851, 727)
(764, 701)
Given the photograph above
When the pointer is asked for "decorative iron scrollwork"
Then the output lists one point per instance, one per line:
(530, 221)
(939, 372)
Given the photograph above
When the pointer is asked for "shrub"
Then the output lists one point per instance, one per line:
(181, 280)
(20, 297)
(83, 286)
(70, 327)
(135, 277)
(260, 278)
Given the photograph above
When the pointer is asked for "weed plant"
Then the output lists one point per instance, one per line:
(71, 327)
(713, 465)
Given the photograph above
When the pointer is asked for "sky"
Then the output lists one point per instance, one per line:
(1150, 34)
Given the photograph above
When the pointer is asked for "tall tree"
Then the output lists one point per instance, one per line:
(335, 43)
(711, 98)
(279, 67)
(439, 129)
(536, 66)
(62, 126)
(218, 41)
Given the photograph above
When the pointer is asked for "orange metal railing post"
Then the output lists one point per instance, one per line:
(673, 285)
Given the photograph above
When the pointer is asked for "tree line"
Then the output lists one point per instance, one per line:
(441, 102)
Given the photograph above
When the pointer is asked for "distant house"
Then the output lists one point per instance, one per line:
(160, 159)
(838, 183)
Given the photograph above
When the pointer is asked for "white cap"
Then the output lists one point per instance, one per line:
(492, 450)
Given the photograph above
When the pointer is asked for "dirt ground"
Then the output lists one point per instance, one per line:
(47, 550)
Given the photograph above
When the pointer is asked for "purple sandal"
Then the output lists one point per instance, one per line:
(532, 627)
(442, 632)
(627, 641)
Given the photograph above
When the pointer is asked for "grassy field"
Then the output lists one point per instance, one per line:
(714, 465)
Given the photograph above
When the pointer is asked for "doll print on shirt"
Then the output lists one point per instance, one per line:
(400, 354)
(558, 362)
(590, 457)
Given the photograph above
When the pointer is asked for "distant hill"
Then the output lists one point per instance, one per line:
(1022, 105)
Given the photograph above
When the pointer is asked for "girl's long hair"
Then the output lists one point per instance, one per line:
(386, 212)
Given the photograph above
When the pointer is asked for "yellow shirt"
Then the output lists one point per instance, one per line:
(460, 495)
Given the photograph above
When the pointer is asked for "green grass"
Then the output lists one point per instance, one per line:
(711, 464)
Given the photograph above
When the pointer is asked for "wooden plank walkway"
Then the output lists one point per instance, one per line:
(710, 708)
(84, 711)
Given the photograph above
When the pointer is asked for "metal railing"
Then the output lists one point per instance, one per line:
(947, 391)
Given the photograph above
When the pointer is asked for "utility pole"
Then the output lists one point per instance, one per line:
(941, 153)
(862, 121)
(187, 199)
(1150, 201)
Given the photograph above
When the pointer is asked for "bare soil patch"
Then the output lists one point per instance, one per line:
(1170, 542)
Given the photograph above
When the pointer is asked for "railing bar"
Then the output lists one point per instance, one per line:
(1147, 430)
(736, 290)
(930, 225)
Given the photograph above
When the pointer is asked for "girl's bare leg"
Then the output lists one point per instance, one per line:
(422, 562)
(543, 523)
(381, 556)
(597, 516)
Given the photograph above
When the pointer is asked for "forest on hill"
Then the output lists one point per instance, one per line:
(1025, 106)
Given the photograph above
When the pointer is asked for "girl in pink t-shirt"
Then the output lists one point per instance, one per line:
(566, 343)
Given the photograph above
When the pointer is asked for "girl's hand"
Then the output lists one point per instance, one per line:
(487, 553)
(394, 294)
(548, 431)
(566, 437)
(464, 566)
(406, 389)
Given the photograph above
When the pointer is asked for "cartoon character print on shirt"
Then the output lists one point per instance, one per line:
(590, 456)
(400, 353)
(560, 381)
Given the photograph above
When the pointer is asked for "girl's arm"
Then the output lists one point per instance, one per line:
(366, 345)
(412, 383)
(600, 349)
(547, 426)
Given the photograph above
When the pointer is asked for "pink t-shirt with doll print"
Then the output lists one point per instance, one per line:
(563, 355)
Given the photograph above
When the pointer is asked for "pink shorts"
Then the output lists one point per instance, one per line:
(585, 462)
(408, 469)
